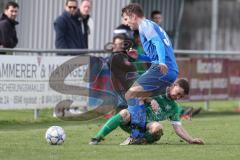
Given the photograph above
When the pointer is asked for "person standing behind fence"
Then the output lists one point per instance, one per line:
(8, 34)
(87, 22)
(123, 72)
(124, 29)
(133, 39)
(71, 27)
(157, 17)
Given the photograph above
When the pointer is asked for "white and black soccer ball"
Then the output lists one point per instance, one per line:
(55, 135)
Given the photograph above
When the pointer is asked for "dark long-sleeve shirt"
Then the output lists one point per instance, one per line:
(8, 35)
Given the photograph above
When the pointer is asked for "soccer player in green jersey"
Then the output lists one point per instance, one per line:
(160, 108)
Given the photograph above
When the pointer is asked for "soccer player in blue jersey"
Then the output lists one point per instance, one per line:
(162, 73)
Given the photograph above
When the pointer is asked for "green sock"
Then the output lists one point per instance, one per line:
(109, 126)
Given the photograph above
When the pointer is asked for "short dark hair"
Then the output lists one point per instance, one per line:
(133, 8)
(71, 1)
(155, 12)
(11, 3)
(183, 83)
(119, 36)
(86, 0)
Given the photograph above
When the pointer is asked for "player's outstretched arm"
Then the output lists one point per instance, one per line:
(182, 133)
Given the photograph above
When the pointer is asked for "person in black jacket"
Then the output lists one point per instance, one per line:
(84, 15)
(123, 72)
(8, 35)
(71, 28)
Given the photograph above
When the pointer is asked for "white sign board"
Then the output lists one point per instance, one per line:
(24, 81)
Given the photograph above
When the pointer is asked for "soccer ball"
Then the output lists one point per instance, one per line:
(55, 135)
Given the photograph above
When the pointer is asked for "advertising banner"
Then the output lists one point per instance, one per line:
(234, 77)
(24, 80)
(44, 81)
(208, 78)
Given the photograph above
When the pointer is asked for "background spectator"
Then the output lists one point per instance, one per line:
(157, 17)
(86, 22)
(132, 40)
(124, 29)
(72, 26)
(8, 35)
(123, 72)
(87, 25)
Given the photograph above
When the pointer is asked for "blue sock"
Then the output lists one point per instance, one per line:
(138, 117)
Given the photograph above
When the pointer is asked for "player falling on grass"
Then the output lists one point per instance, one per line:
(161, 108)
(162, 72)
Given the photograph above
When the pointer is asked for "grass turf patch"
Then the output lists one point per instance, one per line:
(27, 142)
(22, 138)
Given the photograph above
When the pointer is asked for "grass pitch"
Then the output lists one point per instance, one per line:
(22, 138)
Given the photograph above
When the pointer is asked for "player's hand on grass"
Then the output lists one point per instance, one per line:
(154, 105)
(163, 68)
(132, 53)
(197, 141)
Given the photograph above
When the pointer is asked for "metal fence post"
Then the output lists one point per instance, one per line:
(36, 113)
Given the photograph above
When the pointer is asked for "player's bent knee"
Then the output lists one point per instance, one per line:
(155, 132)
(133, 92)
(130, 94)
(151, 138)
(156, 137)
(125, 115)
(155, 128)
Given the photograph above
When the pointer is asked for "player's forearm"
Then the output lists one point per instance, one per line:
(183, 134)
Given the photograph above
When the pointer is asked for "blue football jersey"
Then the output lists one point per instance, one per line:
(156, 44)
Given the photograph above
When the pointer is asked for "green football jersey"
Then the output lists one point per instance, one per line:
(168, 109)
